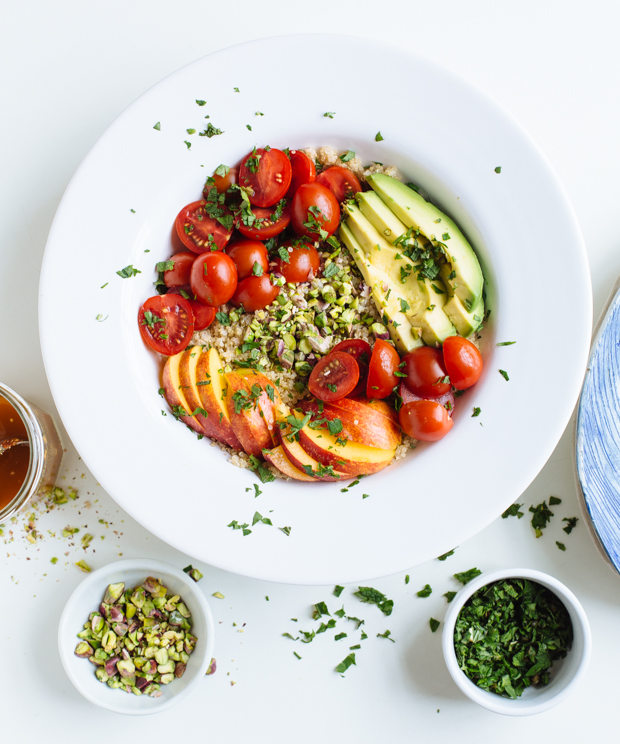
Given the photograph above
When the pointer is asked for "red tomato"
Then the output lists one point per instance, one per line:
(383, 363)
(334, 376)
(203, 315)
(247, 253)
(361, 352)
(447, 400)
(426, 420)
(314, 209)
(463, 362)
(199, 232)
(166, 323)
(303, 262)
(255, 293)
(425, 372)
(266, 173)
(221, 183)
(180, 273)
(342, 182)
(303, 171)
(213, 278)
(269, 222)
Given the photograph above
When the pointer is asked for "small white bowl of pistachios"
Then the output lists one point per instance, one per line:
(137, 636)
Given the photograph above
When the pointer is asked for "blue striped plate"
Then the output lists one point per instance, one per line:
(597, 450)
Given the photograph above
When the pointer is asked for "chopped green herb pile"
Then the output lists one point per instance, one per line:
(508, 635)
(542, 516)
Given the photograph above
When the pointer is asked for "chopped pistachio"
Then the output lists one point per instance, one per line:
(83, 566)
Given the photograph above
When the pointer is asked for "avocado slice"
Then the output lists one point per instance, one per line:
(415, 212)
(380, 217)
(398, 324)
(421, 300)
(465, 321)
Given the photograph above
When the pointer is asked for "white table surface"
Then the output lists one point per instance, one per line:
(68, 68)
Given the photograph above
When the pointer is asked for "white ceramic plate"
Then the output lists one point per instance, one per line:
(443, 134)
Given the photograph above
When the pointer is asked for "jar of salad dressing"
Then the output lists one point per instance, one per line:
(30, 468)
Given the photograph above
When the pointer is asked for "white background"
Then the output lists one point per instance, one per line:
(68, 68)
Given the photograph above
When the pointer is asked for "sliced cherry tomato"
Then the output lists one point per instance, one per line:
(447, 400)
(269, 222)
(182, 266)
(267, 176)
(314, 209)
(246, 254)
(198, 231)
(361, 352)
(303, 262)
(304, 171)
(426, 420)
(463, 362)
(166, 323)
(334, 376)
(383, 363)
(221, 183)
(342, 182)
(426, 374)
(255, 293)
(213, 278)
(203, 315)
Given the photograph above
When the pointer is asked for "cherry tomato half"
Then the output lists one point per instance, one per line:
(361, 352)
(213, 278)
(166, 323)
(303, 262)
(463, 362)
(314, 209)
(198, 232)
(269, 222)
(334, 376)
(182, 266)
(447, 400)
(383, 363)
(267, 176)
(304, 171)
(342, 182)
(247, 253)
(426, 374)
(203, 315)
(255, 293)
(221, 183)
(426, 420)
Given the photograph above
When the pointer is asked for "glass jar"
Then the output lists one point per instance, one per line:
(45, 452)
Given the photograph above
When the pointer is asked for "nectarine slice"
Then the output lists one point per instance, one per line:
(175, 394)
(277, 457)
(212, 387)
(302, 460)
(246, 414)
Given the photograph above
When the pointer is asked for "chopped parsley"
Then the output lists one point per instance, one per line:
(513, 511)
(222, 318)
(265, 475)
(426, 592)
(338, 590)
(476, 412)
(329, 114)
(466, 576)
(331, 270)
(340, 636)
(372, 596)
(210, 131)
(201, 103)
(542, 517)
(189, 144)
(446, 555)
(346, 663)
(571, 523)
(498, 169)
(157, 126)
(560, 545)
(506, 343)
(128, 272)
(387, 635)
(349, 155)
(554, 501)
(378, 137)
(406, 578)
(504, 374)
(164, 266)
(449, 596)
(434, 624)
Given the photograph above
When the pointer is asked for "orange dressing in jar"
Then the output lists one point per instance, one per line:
(15, 461)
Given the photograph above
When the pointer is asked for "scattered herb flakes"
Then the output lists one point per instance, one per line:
(54, 560)
(554, 501)
(157, 126)
(449, 596)
(296, 654)
(259, 113)
(354, 648)
(560, 545)
(128, 272)
(504, 374)
(365, 495)
(340, 636)
(466, 576)
(372, 596)
(286, 530)
(348, 155)
(99, 317)
(320, 608)
(340, 613)
(542, 517)
(509, 633)
(363, 637)
(266, 598)
(189, 144)
(288, 635)
(338, 590)
(248, 127)
(506, 343)
(265, 475)
(331, 623)
(476, 412)
(446, 555)
(406, 578)
(571, 523)
(378, 137)
(210, 131)
(426, 592)
(498, 169)
(83, 566)
(513, 511)
(434, 624)
(236, 90)
(387, 635)
(218, 595)
(329, 114)
(346, 663)
(201, 103)
(103, 286)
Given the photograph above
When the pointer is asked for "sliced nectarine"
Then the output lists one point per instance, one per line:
(277, 457)
(302, 460)
(212, 389)
(246, 400)
(188, 378)
(175, 394)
